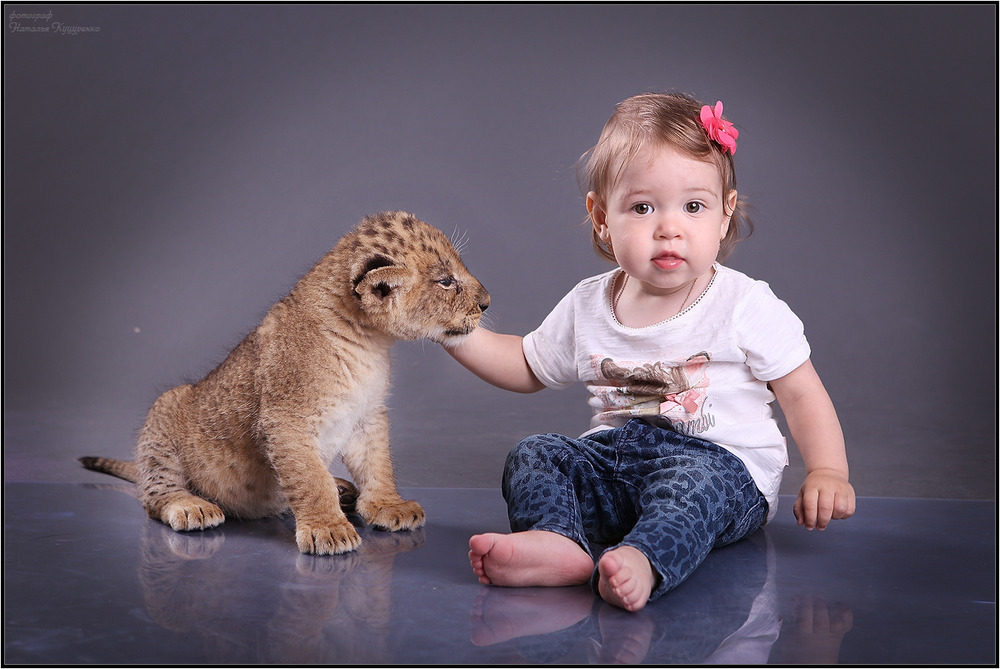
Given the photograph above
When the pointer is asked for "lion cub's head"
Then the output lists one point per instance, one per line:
(410, 281)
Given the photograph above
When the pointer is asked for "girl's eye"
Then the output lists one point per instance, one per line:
(693, 207)
(642, 209)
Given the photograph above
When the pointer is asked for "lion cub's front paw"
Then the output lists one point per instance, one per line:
(191, 513)
(406, 515)
(332, 540)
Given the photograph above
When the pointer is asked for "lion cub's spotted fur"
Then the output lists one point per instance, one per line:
(255, 437)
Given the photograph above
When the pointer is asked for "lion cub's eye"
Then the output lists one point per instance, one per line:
(447, 282)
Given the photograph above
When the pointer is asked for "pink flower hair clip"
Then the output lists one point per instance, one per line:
(719, 130)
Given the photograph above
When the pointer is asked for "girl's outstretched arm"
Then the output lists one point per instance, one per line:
(497, 359)
(826, 493)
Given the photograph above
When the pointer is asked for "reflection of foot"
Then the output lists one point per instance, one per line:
(502, 614)
(532, 558)
(626, 578)
(188, 546)
(625, 637)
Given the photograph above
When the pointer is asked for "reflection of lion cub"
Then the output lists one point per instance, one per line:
(254, 438)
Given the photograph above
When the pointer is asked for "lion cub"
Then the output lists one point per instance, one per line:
(255, 437)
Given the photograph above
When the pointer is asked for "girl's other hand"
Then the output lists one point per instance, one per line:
(825, 495)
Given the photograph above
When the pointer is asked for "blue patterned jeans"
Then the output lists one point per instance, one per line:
(671, 496)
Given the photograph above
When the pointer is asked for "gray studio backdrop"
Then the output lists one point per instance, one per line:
(171, 171)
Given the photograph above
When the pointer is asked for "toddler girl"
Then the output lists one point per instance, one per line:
(682, 357)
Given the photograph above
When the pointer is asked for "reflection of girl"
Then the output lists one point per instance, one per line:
(646, 501)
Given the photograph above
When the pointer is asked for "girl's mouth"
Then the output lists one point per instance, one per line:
(668, 261)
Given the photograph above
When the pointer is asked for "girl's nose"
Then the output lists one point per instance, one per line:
(667, 226)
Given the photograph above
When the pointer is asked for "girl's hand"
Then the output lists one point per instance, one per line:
(825, 495)
(497, 359)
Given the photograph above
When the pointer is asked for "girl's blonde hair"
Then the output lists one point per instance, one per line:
(656, 120)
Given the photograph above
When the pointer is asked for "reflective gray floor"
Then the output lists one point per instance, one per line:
(89, 579)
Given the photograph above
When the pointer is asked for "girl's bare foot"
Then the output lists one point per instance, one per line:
(502, 614)
(626, 578)
(532, 558)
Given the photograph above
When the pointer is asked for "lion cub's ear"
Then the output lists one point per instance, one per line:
(377, 286)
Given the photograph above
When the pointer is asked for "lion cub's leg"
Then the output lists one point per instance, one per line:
(321, 527)
(163, 484)
(367, 458)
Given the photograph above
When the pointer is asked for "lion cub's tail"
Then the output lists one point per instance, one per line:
(123, 469)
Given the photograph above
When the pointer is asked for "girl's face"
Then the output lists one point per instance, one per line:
(664, 219)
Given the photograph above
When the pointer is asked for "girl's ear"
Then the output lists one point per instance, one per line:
(597, 216)
(730, 207)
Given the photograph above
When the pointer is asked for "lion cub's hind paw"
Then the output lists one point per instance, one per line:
(348, 493)
(407, 515)
(192, 514)
(327, 540)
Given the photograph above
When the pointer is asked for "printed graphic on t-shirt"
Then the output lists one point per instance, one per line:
(675, 391)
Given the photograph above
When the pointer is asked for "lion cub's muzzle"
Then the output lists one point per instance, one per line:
(475, 314)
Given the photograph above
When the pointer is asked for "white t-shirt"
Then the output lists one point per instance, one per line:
(706, 369)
